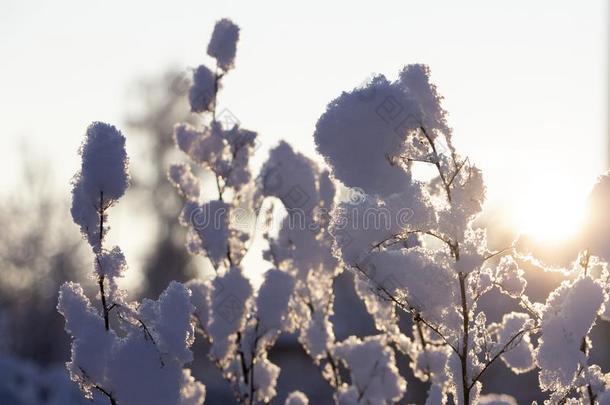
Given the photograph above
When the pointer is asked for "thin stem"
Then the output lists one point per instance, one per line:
(335, 369)
(525, 304)
(583, 349)
(500, 353)
(221, 189)
(400, 238)
(464, 356)
(99, 388)
(437, 163)
(420, 332)
(329, 357)
(149, 336)
(101, 215)
(591, 395)
(406, 308)
(101, 277)
(104, 306)
(366, 386)
(494, 254)
(109, 395)
(253, 360)
(457, 170)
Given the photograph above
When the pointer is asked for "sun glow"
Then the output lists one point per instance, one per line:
(550, 213)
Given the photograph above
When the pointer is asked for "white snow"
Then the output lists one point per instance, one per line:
(223, 44)
(568, 316)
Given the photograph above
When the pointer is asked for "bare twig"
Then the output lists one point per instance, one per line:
(504, 349)
(457, 171)
(424, 343)
(107, 393)
(522, 302)
(149, 336)
(406, 307)
(437, 163)
(466, 323)
(220, 187)
(100, 279)
(499, 252)
(366, 386)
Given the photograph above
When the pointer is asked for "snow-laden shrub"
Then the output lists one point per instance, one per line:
(239, 322)
(410, 241)
(414, 248)
(128, 352)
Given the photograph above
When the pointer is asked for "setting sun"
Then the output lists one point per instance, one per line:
(550, 212)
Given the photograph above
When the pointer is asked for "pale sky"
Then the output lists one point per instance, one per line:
(525, 82)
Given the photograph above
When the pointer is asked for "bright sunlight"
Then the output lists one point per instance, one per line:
(549, 211)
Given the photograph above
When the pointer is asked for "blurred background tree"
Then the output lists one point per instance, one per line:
(156, 104)
(37, 254)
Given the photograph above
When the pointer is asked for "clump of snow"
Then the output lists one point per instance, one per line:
(265, 378)
(200, 298)
(317, 334)
(568, 316)
(291, 177)
(208, 226)
(419, 280)
(363, 129)
(102, 179)
(111, 263)
(104, 163)
(374, 376)
(417, 79)
(223, 44)
(510, 277)
(273, 297)
(144, 366)
(296, 398)
(513, 338)
(170, 320)
(202, 94)
(497, 399)
(241, 144)
(357, 228)
(302, 247)
(229, 300)
(467, 197)
(181, 176)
